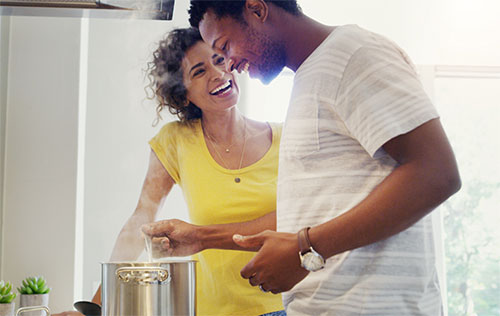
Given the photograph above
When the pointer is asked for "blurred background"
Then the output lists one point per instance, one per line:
(75, 124)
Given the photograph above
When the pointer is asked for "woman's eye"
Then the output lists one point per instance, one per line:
(198, 72)
(219, 60)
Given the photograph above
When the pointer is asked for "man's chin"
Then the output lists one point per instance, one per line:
(265, 79)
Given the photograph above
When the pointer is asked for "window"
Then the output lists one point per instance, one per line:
(467, 99)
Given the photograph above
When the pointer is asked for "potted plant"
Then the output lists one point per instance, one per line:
(6, 298)
(34, 292)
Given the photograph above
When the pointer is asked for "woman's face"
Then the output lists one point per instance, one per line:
(208, 84)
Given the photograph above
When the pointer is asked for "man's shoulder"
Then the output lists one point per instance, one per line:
(342, 43)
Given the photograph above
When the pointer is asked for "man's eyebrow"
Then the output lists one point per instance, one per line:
(195, 66)
(215, 41)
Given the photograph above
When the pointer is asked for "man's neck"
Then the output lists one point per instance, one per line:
(302, 36)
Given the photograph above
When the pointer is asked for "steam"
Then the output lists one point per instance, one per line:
(149, 247)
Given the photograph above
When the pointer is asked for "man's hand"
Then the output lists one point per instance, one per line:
(276, 267)
(173, 238)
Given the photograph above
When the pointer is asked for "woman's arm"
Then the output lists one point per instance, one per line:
(157, 185)
(130, 242)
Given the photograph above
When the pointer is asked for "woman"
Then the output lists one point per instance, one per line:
(226, 166)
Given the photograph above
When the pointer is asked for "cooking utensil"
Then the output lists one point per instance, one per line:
(88, 308)
(164, 288)
(30, 309)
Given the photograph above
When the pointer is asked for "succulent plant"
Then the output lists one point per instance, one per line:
(6, 294)
(34, 285)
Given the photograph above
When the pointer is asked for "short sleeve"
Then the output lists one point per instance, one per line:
(380, 96)
(165, 146)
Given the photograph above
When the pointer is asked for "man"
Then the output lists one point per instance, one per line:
(363, 160)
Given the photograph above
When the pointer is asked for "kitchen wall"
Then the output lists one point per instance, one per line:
(40, 130)
(4, 50)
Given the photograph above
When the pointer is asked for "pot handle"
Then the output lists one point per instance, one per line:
(33, 308)
(143, 275)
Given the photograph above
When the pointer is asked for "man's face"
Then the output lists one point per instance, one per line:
(245, 47)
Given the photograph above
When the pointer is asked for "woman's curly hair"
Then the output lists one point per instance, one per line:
(166, 76)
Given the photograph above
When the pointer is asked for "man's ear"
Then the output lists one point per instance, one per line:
(257, 9)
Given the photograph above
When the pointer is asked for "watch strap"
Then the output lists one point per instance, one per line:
(304, 242)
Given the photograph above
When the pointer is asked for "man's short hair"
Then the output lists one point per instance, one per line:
(232, 8)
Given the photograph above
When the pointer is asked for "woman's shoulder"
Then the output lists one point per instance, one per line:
(277, 128)
(179, 128)
(177, 132)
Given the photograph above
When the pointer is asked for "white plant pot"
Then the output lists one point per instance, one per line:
(34, 300)
(7, 309)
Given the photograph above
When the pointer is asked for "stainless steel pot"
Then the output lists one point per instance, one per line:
(164, 288)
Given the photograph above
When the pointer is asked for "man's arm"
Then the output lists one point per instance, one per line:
(426, 176)
(174, 237)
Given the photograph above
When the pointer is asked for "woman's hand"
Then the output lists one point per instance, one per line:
(173, 238)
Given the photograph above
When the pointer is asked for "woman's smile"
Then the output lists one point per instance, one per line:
(223, 89)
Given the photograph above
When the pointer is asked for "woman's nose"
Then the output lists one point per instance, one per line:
(217, 73)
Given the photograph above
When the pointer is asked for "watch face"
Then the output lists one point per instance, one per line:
(312, 261)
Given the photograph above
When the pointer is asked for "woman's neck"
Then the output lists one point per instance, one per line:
(223, 128)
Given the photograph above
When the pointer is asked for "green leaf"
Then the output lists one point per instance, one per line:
(9, 287)
(10, 297)
(7, 298)
(43, 289)
(40, 282)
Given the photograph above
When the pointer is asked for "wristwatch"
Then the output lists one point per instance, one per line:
(309, 258)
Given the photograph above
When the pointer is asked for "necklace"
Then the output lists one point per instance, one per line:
(212, 140)
(236, 179)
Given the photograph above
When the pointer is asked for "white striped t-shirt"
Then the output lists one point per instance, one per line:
(355, 92)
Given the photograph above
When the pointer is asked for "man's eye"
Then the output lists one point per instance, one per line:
(224, 47)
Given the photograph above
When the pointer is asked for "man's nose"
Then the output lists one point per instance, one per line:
(230, 65)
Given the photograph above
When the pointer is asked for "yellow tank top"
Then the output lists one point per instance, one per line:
(213, 197)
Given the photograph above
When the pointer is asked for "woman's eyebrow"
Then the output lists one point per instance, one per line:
(196, 66)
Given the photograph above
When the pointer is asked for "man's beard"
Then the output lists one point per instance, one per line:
(272, 57)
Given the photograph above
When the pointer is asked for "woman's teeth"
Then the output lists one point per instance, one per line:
(221, 89)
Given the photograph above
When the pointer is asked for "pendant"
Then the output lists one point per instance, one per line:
(237, 180)
(227, 150)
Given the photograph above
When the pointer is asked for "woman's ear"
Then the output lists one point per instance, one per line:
(257, 9)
